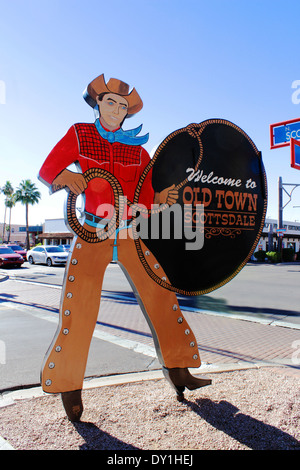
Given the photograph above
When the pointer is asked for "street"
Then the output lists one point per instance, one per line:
(259, 289)
(36, 272)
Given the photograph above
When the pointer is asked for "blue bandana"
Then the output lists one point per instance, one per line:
(124, 137)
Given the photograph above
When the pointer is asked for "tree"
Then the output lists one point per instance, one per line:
(10, 202)
(7, 190)
(27, 193)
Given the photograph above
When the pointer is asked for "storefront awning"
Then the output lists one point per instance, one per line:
(56, 235)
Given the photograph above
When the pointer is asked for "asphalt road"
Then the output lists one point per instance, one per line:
(260, 289)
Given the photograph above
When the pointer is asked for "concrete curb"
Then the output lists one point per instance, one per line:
(10, 398)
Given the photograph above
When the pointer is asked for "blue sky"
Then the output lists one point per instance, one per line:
(190, 60)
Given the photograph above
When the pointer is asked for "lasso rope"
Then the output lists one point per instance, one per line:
(103, 233)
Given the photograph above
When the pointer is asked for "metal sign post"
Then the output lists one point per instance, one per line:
(283, 134)
(280, 211)
(281, 207)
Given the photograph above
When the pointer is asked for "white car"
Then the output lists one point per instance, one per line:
(50, 255)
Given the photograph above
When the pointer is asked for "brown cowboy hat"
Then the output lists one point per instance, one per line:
(98, 86)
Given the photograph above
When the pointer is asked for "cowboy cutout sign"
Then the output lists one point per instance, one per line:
(211, 173)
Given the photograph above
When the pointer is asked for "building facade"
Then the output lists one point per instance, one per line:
(17, 234)
(290, 236)
(56, 232)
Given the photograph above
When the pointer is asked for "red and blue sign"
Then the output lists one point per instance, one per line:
(281, 133)
(295, 154)
(287, 133)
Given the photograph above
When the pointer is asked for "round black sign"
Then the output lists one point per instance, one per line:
(206, 238)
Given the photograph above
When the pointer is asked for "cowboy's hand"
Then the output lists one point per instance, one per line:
(168, 195)
(68, 179)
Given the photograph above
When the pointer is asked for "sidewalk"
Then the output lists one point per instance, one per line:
(252, 347)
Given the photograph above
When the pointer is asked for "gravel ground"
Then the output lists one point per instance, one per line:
(251, 409)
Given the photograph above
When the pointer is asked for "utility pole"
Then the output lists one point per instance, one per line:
(281, 207)
(280, 211)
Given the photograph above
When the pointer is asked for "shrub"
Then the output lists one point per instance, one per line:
(260, 255)
(274, 256)
(288, 254)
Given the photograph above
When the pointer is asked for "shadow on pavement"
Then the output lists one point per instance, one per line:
(95, 439)
(243, 428)
(207, 303)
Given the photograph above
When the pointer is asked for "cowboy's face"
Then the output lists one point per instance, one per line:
(113, 109)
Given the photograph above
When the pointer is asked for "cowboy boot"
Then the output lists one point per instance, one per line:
(73, 404)
(179, 378)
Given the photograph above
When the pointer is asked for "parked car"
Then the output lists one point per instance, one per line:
(66, 247)
(17, 249)
(50, 255)
(9, 258)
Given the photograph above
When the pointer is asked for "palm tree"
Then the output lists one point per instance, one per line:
(10, 202)
(7, 190)
(27, 193)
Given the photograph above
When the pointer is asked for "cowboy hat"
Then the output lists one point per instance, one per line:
(98, 86)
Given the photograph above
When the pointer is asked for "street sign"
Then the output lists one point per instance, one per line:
(281, 133)
(280, 232)
(295, 154)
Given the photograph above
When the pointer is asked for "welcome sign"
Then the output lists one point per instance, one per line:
(234, 202)
(217, 168)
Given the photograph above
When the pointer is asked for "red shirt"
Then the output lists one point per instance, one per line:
(83, 144)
